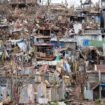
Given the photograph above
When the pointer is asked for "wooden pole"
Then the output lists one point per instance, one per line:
(100, 88)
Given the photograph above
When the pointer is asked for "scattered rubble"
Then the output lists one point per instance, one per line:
(51, 54)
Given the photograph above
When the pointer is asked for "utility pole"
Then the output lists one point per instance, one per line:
(36, 1)
(81, 3)
(90, 3)
(66, 3)
(48, 2)
(100, 88)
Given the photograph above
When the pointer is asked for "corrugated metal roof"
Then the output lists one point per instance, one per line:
(101, 68)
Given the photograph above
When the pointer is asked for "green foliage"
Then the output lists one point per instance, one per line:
(98, 102)
(53, 103)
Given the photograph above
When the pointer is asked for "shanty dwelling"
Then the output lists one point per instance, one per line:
(88, 16)
(44, 32)
(67, 45)
(96, 15)
(76, 16)
(66, 42)
(92, 19)
(95, 84)
(89, 38)
(93, 40)
(5, 89)
(44, 51)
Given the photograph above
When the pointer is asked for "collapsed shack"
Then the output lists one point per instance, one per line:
(92, 56)
(40, 47)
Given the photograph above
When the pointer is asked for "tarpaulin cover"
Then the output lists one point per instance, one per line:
(77, 27)
(67, 67)
(22, 45)
(98, 19)
(85, 42)
(102, 85)
(61, 103)
(3, 92)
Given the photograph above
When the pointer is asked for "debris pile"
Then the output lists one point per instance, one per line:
(49, 54)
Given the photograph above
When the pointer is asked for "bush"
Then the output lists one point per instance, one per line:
(53, 103)
(98, 102)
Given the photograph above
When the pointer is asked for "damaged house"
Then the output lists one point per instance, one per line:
(95, 84)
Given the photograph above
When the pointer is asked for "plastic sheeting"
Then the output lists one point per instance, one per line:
(77, 27)
(43, 101)
(22, 45)
(3, 92)
(85, 42)
(67, 67)
(61, 103)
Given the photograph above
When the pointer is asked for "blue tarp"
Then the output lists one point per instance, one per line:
(85, 42)
(98, 19)
(101, 84)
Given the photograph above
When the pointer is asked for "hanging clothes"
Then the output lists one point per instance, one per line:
(57, 58)
(67, 67)
(3, 56)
